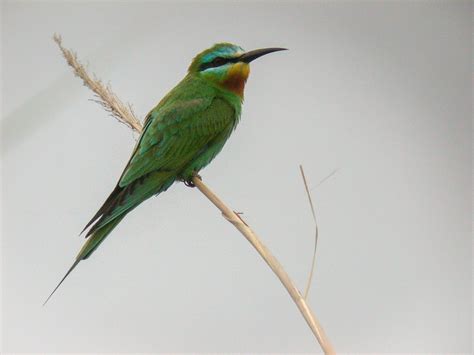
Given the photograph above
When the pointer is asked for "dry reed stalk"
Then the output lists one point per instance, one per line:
(106, 98)
(124, 114)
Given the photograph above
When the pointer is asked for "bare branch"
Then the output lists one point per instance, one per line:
(112, 104)
(274, 264)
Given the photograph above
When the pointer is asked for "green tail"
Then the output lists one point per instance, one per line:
(98, 237)
(89, 247)
(121, 201)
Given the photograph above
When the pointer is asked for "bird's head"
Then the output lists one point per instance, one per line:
(227, 65)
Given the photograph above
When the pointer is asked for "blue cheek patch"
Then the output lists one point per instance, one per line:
(218, 73)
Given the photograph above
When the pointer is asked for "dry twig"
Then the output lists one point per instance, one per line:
(316, 231)
(125, 115)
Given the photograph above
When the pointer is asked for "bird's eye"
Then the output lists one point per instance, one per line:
(218, 61)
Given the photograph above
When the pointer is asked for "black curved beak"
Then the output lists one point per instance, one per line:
(252, 55)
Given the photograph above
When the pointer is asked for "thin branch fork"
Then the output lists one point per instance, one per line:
(125, 115)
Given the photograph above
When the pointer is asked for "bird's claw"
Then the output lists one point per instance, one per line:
(189, 182)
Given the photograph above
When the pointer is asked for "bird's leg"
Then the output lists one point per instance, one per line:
(189, 181)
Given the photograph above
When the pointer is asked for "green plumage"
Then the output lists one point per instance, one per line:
(181, 135)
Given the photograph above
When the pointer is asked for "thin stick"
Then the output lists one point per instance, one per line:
(112, 104)
(316, 232)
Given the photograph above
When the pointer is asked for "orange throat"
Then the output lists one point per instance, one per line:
(236, 78)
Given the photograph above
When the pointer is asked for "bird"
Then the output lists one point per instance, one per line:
(181, 135)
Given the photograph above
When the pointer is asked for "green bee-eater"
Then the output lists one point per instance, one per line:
(180, 136)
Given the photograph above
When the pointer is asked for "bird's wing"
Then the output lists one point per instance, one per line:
(174, 134)
(172, 137)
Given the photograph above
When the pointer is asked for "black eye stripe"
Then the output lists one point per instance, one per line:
(217, 62)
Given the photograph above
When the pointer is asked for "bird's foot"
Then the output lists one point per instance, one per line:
(189, 182)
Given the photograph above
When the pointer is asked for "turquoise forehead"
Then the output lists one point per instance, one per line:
(222, 50)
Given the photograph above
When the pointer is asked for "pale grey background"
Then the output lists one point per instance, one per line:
(381, 91)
